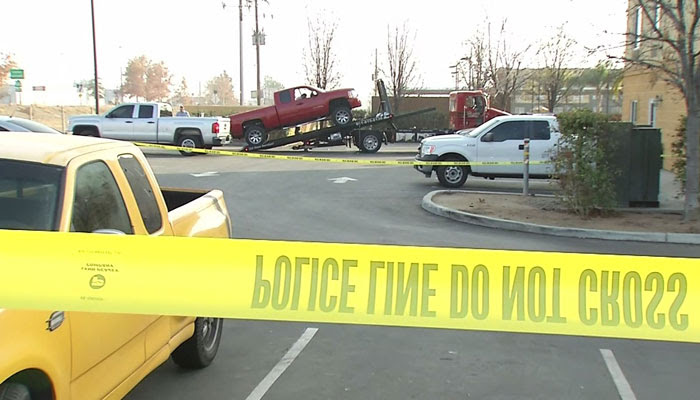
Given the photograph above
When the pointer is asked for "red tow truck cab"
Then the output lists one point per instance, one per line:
(469, 109)
(295, 106)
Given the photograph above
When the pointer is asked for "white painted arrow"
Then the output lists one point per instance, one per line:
(344, 179)
(204, 174)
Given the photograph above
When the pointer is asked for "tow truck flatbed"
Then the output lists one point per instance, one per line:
(367, 140)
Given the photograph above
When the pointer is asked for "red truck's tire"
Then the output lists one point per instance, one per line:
(341, 115)
(255, 135)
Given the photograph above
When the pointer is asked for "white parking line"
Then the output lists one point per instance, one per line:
(623, 387)
(282, 365)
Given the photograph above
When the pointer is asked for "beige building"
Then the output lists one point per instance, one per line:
(647, 99)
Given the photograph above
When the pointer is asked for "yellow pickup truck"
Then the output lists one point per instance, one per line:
(82, 184)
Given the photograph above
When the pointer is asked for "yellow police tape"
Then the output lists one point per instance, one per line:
(636, 297)
(330, 160)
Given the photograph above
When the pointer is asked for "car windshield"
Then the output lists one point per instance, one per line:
(28, 195)
(32, 125)
(477, 131)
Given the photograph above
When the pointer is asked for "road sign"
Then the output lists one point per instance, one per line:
(16, 73)
(39, 88)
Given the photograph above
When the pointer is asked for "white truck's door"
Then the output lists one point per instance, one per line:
(499, 145)
(543, 139)
(146, 124)
(119, 123)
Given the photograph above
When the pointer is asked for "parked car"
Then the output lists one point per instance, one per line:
(84, 184)
(498, 141)
(294, 106)
(153, 123)
(15, 124)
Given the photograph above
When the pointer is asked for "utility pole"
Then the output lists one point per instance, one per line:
(257, 50)
(456, 74)
(376, 73)
(94, 55)
(240, 45)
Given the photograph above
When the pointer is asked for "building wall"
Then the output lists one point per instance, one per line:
(646, 88)
(640, 86)
(527, 101)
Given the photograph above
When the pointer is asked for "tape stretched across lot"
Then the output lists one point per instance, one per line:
(331, 160)
(636, 297)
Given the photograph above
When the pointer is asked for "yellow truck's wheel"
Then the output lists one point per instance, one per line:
(200, 350)
(14, 391)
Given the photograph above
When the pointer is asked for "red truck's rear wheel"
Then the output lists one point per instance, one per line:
(341, 115)
(255, 135)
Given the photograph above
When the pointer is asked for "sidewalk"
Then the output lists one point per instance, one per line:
(544, 215)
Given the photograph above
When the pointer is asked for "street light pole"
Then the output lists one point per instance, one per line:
(240, 45)
(257, 49)
(94, 55)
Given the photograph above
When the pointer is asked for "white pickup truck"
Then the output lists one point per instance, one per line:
(153, 123)
(497, 141)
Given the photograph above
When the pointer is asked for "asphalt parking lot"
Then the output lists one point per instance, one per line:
(297, 200)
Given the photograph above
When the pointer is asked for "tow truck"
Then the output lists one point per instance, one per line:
(367, 140)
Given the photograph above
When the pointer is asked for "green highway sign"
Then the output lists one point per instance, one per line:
(16, 73)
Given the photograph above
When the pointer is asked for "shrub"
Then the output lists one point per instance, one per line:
(678, 152)
(584, 163)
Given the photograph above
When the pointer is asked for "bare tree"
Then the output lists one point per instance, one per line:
(89, 84)
(135, 77)
(493, 66)
(504, 69)
(554, 76)
(664, 40)
(157, 82)
(6, 64)
(476, 75)
(320, 59)
(182, 94)
(603, 77)
(220, 90)
(401, 63)
(146, 79)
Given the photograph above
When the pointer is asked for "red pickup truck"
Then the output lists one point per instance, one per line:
(294, 106)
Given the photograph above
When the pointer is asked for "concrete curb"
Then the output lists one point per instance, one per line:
(490, 222)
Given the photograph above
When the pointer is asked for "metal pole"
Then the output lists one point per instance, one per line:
(94, 56)
(526, 166)
(456, 77)
(257, 49)
(240, 44)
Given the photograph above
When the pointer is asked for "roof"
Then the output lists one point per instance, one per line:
(50, 148)
(525, 117)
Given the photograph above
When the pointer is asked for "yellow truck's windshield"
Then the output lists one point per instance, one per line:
(29, 195)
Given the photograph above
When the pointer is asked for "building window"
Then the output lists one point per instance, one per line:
(633, 112)
(638, 28)
(653, 106)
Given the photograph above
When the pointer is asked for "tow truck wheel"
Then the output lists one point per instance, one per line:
(341, 115)
(14, 391)
(452, 176)
(199, 350)
(370, 143)
(255, 135)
